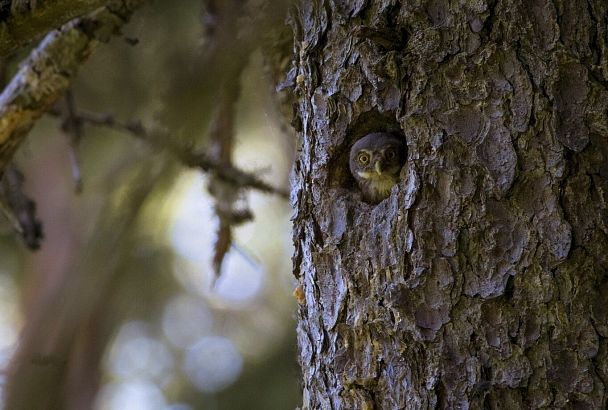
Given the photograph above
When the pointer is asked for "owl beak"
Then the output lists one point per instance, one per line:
(378, 167)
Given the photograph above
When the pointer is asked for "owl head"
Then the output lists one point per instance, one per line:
(375, 162)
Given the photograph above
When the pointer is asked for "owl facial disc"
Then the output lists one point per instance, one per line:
(375, 162)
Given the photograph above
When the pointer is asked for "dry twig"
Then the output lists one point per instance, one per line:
(20, 209)
(72, 126)
(162, 140)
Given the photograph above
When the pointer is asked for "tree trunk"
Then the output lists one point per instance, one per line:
(482, 281)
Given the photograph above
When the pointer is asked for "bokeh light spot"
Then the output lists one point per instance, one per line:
(186, 320)
(132, 395)
(213, 363)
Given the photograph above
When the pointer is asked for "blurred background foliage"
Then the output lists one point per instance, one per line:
(124, 269)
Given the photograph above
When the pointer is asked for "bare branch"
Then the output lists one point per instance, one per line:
(226, 195)
(47, 72)
(20, 210)
(72, 127)
(162, 140)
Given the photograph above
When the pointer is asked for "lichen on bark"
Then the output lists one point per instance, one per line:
(46, 74)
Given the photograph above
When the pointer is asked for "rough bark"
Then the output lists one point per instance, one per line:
(481, 282)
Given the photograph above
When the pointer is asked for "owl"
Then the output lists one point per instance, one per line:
(375, 162)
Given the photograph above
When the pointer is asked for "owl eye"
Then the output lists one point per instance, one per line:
(363, 158)
(390, 154)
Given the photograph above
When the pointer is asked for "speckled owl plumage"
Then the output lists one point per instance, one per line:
(375, 163)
